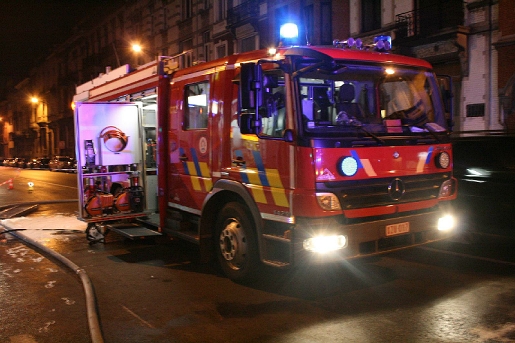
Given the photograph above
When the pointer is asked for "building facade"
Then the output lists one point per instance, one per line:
(460, 39)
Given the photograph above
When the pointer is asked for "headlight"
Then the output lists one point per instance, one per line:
(324, 244)
(348, 166)
(446, 223)
(443, 160)
(328, 201)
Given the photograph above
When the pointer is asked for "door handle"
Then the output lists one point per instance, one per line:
(239, 161)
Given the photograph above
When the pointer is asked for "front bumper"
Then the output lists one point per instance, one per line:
(368, 237)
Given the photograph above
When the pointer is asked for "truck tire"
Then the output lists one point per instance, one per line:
(235, 243)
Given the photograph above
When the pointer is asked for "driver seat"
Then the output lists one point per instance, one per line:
(345, 103)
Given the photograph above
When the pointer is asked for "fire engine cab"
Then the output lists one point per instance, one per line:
(282, 157)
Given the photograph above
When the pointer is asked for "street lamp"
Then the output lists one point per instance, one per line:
(136, 48)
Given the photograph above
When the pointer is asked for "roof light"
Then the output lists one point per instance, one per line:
(349, 43)
(383, 43)
(289, 31)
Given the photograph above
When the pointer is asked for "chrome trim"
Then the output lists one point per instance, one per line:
(277, 218)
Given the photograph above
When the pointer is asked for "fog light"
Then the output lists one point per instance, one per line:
(446, 223)
(324, 244)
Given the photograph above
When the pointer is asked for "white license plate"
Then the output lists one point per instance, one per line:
(397, 229)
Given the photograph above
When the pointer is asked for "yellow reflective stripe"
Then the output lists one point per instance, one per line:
(250, 137)
(258, 194)
(208, 184)
(191, 168)
(204, 169)
(195, 183)
(280, 198)
(273, 178)
(253, 176)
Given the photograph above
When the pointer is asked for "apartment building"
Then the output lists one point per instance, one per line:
(460, 39)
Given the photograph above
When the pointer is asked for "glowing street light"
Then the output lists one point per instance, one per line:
(137, 48)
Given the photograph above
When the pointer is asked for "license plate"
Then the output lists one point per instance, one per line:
(397, 229)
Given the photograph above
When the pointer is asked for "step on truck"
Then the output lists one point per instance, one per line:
(279, 157)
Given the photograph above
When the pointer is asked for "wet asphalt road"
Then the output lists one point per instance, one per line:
(453, 291)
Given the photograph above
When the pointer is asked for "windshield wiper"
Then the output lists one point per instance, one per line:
(432, 132)
(368, 133)
(306, 69)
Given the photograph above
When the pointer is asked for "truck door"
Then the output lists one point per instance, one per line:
(190, 146)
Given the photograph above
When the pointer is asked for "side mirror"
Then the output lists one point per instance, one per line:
(250, 97)
(445, 84)
(250, 86)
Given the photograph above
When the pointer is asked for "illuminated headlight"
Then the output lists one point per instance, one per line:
(348, 166)
(325, 244)
(447, 189)
(446, 223)
(328, 201)
(443, 160)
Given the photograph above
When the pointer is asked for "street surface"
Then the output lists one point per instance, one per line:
(461, 290)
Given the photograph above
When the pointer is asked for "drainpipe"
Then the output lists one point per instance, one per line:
(488, 119)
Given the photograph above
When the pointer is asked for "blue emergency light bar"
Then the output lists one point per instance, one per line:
(381, 43)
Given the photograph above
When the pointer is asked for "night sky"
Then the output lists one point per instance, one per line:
(30, 28)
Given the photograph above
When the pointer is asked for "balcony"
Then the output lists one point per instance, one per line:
(431, 23)
(247, 12)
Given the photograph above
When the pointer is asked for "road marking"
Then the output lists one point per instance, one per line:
(139, 318)
(50, 183)
(469, 256)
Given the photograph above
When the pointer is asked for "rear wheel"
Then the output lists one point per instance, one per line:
(236, 246)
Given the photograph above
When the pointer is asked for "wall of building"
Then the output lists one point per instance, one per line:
(164, 27)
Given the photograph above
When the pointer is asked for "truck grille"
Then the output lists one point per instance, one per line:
(386, 191)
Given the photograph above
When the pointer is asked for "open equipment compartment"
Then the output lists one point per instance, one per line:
(109, 161)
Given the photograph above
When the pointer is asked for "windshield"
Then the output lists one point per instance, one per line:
(376, 99)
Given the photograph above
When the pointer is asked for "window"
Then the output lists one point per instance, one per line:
(273, 109)
(220, 9)
(309, 23)
(221, 50)
(248, 44)
(370, 15)
(196, 106)
(186, 9)
(326, 36)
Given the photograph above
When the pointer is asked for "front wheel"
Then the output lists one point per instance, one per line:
(235, 244)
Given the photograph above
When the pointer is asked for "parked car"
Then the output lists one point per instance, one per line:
(59, 163)
(39, 163)
(21, 162)
(7, 162)
(485, 169)
(70, 165)
(13, 162)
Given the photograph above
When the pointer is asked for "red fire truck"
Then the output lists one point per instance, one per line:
(281, 157)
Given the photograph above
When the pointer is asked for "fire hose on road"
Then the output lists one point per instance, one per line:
(92, 313)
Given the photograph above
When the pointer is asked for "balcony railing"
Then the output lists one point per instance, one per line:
(432, 19)
(242, 13)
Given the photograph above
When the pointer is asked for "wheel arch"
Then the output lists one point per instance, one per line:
(225, 191)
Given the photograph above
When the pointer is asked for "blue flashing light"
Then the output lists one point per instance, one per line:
(289, 31)
(348, 166)
(383, 43)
